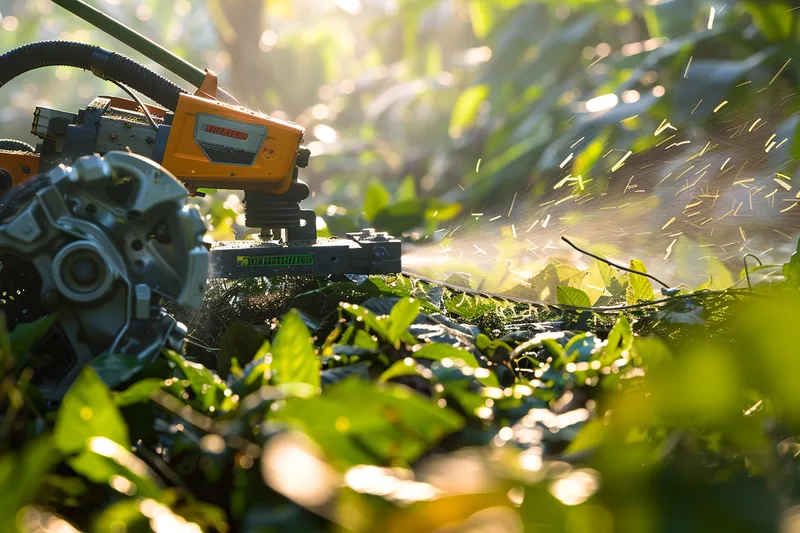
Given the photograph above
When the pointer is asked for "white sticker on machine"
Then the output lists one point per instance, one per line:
(228, 141)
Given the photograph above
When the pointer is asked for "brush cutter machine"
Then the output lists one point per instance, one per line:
(201, 140)
(94, 226)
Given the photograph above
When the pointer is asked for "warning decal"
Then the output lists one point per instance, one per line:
(228, 141)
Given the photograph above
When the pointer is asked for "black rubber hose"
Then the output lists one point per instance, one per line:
(16, 196)
(89, 57)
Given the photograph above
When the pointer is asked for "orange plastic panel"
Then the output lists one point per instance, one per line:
(216, 145)
(21, 165)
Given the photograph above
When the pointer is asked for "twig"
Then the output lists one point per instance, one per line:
(747, 269)
(606, 261)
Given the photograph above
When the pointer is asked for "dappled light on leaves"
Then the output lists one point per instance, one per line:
(575, 487)
(293, 466)
(392, 484)
(163, 520)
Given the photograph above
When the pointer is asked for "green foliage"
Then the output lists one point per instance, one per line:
(571, 296)
(398, 405)
(293, 357)
(390, 405)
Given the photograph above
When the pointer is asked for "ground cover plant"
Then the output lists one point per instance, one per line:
(394, 404)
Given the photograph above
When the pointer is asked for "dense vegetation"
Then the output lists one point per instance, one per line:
(418, 408)
(396, 404)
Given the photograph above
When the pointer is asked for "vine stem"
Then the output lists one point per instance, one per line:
(615, 265)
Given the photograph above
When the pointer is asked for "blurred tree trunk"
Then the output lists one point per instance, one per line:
(240, 25)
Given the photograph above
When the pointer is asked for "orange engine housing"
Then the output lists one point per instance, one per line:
(216, 145)
(20, 165)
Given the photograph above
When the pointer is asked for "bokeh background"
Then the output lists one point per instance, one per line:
(481, 131)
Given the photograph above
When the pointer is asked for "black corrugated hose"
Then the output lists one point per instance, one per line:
(89, 57)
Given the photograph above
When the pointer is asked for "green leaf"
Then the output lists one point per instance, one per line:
(639, 287)
(136, 517)
(719, 277)
(207, 386)
(466, 108)
(104, 459)
(572, 296)
(400, 217)
(21, 476)
(88, 411)
(468, 306)
(115, 370)
(241, 342)
(26, 335)
(591, 436)
(437, 352)
(620, 338)
(403, 367)
(376, 198)
(140, 391)
(482, 17)
(356, 422)
(773, 18)
(402, 316)
(293, 357)
(712, 79)
(407, 190)
(791, 270)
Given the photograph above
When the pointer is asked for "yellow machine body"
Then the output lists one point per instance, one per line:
(216, 145)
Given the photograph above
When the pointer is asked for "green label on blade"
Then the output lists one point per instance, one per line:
(246, 261)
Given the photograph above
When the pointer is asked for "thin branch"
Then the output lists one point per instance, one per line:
(747, 268)
(615, 265)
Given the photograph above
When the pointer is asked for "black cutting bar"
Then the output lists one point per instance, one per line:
(367, 252)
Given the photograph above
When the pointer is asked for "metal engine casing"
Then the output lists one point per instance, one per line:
(108, 238)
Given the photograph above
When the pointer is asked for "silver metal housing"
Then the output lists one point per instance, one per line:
(109, 237)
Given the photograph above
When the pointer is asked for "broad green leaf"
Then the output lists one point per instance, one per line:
(293, 357)
(591, 154)
(791, 270)
(719, 277)
(438, 351)
(591, 436)
(466, 108)
(105, 460)
(620, 338)
(712, 79)
(136, 513)
(403, 367)
(407, 190)
(402, 316)
(606, 272)
(22, 474)
(116, 369)
(448, 513)
(773, 18)
(357, 422)
(481, 14)
(140, 391)
(26, 335)
(581, 347)
(572, 296)
(88, 411)
(240, 342)
(468, 306)
(755, 268)
(376, 198)
(639, 287)
(208, 386)
(400, 217)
